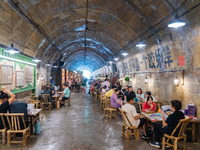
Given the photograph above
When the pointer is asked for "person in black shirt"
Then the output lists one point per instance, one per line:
(130, 89)
(168, 125)
(5, 102)
(126, 92)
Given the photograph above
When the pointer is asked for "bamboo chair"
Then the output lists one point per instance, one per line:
(68, 100)
(45, 104)
(3, 131)
(31, 95)
(15, 127)
(181, 136)
(102, 101)
(108, 110)
(127, 127)
(36, 103)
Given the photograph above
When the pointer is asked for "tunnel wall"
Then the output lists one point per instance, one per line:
(178, 50)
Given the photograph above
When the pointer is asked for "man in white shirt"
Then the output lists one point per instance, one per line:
(133, 116)
(106, 83)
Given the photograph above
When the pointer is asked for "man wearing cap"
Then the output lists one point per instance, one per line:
(66, 92)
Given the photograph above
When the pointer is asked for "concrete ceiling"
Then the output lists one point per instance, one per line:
(55, 29)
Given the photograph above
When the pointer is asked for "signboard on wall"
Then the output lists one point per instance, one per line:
(6, 74)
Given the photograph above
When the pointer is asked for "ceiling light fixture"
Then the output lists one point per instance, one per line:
(12, 50)
(141, 44)
(36, 60)
(48, 64)
(125, 54)
(116, 59)
(110, 62)
(176, 23)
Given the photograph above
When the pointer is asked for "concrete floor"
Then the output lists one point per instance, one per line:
(82, 126)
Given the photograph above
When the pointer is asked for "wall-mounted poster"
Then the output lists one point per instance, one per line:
(6, 74)
(29, 75)
(19, 78)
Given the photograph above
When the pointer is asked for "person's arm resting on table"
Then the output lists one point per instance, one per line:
(163, 119)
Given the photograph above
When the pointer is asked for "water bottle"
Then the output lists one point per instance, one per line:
(37, 128)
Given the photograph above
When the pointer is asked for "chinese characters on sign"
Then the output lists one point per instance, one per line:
(153, 60)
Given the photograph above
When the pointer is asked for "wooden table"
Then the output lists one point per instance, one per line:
(56, 96)
(194, 123)
(33, 117)
(194, 130)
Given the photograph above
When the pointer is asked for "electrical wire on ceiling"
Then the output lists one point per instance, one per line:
(86, 28)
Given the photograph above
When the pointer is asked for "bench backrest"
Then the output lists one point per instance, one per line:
(14, 121)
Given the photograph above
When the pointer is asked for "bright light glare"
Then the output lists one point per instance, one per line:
(125, 54)
(86, 74)
(176, 24)
(116, 59)
(12, 51)
(140, 45)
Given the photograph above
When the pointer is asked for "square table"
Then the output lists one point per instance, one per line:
(33, 117)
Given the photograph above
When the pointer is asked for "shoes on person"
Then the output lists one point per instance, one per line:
(155, 144)
(145, 136)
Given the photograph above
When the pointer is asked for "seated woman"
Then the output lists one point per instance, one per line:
(139, 96)
(149, 106)
(66, 93)
(5, 102)
(115, 102)
(168, 125)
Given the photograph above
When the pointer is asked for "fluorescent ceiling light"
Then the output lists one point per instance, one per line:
(141, 44)
(116, 59)
(125, 54)
(36, 60)
(48, 64)
(110, 62)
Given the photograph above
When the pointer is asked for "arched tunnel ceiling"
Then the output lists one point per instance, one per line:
(113, 25)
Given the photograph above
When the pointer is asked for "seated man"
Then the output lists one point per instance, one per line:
(20, 107)
(115, 102)
(169, 125)
(110, 92)
(133, 116)
(148, 93)
(66, 92)
(149, 106)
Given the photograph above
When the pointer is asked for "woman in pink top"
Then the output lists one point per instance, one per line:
(149, 106)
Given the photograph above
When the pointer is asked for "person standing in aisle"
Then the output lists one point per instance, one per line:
(83, 85)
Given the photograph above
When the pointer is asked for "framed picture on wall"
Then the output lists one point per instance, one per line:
(29, 75)
(6, 74)
(19, 78)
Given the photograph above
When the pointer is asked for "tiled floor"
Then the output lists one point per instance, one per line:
(81, 126)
